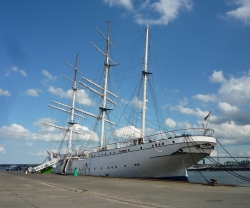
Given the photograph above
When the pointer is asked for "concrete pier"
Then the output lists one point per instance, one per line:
(50, 190)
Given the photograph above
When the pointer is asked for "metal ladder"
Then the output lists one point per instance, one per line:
(47, 164)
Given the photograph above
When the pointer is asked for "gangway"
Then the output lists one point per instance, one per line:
(47, 164)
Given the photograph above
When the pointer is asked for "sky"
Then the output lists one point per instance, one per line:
(200, 47)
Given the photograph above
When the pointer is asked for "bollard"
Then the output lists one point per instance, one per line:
(213, 182)
(75, 172)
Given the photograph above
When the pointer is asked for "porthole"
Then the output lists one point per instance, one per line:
(141, 147)
(108, 167)
(125, 166)
(138, 164)
(173, 141)
(128, 150)
(152, 145)
(110, 152)
(162, 143)
(112, 167)
(115, 166)
(135, 165)
(101, 167)
(114, 152)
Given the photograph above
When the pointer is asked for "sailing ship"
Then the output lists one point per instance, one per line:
(163, 155)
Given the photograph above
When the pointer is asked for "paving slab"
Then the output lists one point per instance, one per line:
(53, 190)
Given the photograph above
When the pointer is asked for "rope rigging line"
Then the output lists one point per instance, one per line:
(45, 160)
(159, 116)
(195, 162)
(133, 56)
(160, 78)
(231, 155)
(127, 106)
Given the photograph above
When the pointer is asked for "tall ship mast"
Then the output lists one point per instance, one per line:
(145, 74)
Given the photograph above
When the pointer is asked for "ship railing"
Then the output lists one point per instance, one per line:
(166, 135)
(159, 136)
(189, 132)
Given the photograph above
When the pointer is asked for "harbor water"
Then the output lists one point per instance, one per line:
(222, 177)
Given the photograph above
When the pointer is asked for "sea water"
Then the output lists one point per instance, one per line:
(222, 177)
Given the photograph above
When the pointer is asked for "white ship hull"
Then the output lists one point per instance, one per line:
(168, 160)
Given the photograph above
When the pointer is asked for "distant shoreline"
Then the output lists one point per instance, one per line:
(221, 169)
(18, 164)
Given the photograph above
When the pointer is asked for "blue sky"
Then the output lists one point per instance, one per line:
(200, 47)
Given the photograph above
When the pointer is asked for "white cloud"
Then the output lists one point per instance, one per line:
(33, 92)
(170, 123)
(229, 133)
(57, 91)
(14, 131)
(233, 90)
(184, 124)
(233, 113)
(138, 103)
(231, 121)
(184, 102)
(160, 12)
(15, 69)
(44, 128)
(2, 150)
(81, 96)
(227, 107)
(128, 4)
(236, 90)
(4, 92)
(189, 111)
(206, 98)
(89, 135)
(197, 112)
(128, 132)
(217, 76)
(242, 13)
(22, 72)
(29, 144)
(48, 75)
(168, 10)
(18, 132)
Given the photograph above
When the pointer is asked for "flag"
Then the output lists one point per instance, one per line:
(208, 115)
